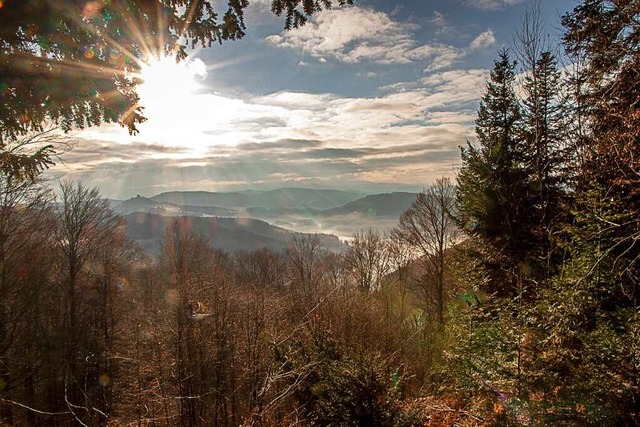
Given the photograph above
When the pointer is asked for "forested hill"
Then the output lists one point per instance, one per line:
(283, 198)
(383, 205)
(270, 203)
(379, 211)
(228, 234)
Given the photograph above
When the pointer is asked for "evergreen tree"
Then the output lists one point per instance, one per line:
(543, 148)
(492, 181)
(504, 189)
(606, 34)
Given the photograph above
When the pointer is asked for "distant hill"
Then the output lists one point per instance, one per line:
(145, 204)
(229, 234)
(137, 204)
(379, 212)
(389, 205)
(282, 198)
(377, 205)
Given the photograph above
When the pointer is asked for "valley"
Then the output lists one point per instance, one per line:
(252, 220)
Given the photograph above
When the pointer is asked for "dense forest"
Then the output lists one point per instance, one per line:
(507, 296)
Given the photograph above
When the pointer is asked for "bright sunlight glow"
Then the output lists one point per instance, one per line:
(169, 90)
(167, 83)
(183, 113)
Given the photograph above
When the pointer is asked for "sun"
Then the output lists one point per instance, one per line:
(167, 84)
(183, 114)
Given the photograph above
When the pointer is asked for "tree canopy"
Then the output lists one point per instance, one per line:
(487, 202)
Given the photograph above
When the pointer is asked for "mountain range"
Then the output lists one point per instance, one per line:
(295, 198)
(254, 219)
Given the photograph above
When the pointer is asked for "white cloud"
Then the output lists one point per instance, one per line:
(438, 19)
(349, 35)
(483, 41)
(470, 82)
(357, 35)
(455, 91)
(446, 58)
(446, 94)
(396, 10)
(492, 4)
(368, 75)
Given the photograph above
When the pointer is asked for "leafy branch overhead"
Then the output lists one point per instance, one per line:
(297, 12)
(74, 63)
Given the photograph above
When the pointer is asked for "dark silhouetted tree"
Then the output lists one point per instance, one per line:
(85, 223)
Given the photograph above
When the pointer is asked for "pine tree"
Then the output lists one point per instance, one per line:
(543, 148)
(492, 182)
(494, 198)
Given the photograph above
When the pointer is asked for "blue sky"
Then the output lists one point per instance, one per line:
(373, 97)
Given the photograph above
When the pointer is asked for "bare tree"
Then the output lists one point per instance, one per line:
(529, 38)
(200, 321)
(25, 221)
(368, 259)
(303, 255)
(428, 227)
(85, 223)
(263, 268)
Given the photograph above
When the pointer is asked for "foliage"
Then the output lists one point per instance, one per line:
(492, 182)
(606, 34)
(340, 388)
(561, 345)
(544, 155)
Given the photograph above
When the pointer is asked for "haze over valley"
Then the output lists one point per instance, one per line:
(250, 220)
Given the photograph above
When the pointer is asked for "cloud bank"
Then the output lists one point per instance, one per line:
(355, 35)
(407, 135)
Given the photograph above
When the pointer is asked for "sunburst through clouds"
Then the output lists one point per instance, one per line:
(167, 86)
(149, 59)
(157, 66)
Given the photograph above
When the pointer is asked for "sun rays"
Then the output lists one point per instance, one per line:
(135, 52)
(167, 84)
(140, 55)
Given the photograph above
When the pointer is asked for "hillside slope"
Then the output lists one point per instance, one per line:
(229, 234)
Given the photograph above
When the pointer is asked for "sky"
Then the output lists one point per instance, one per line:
(374, 97)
